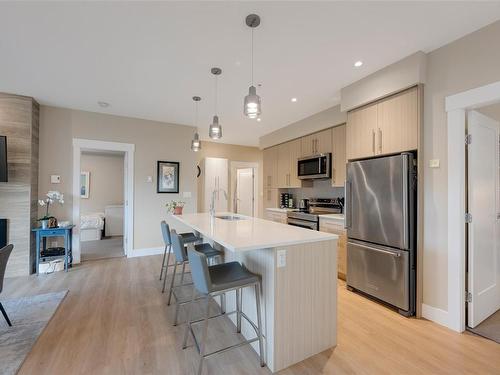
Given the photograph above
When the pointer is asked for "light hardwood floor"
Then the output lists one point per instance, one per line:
(115, 321)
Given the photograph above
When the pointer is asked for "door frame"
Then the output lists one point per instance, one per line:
(233, 166)
(128, 149)
(456, 107)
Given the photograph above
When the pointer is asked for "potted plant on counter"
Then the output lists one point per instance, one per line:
(49, 221)
(175, 207)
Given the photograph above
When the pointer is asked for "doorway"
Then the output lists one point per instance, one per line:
(483, 221)
(244, 188)
(92, 146)
(102, 191)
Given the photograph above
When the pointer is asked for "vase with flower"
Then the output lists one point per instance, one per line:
(175, 207)
(48, 221)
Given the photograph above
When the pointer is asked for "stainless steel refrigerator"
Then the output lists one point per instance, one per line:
(380, 218)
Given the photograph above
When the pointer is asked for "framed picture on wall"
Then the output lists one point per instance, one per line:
(84, 184)
(167, 177)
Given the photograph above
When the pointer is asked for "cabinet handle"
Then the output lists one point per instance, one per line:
(373, 141)
(380, 140)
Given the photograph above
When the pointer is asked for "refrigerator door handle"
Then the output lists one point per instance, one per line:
(396, 253)
(406, 241)
(347, 204)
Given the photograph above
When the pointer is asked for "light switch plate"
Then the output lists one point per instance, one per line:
(186, 194)
(55, 179)
(434, 163)
(281, 258)
(149, 179)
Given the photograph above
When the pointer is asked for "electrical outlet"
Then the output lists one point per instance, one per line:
(281, 258)
(434, 163)
(55, 179)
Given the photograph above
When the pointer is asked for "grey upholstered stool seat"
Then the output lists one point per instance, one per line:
(229, 276)
(186, 237)
(181, 259)
(211, 281)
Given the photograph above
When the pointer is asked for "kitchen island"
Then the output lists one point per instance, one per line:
(299, 281)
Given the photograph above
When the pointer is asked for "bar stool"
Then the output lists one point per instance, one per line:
(165, 231)
(181, 259)
(211, 281)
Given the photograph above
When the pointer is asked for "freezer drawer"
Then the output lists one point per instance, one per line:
(379, 271)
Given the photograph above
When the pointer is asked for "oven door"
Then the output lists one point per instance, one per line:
(314, 167)
(303, 223)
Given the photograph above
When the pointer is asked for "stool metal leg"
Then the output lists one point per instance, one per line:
(259, 324)
(163, 261)
(238, 309)
(166, 269)
(188, 321)
(172, 284)
(204, 335)
(4, 313)
(182, 273)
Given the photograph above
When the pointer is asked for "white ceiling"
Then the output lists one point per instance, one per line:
(148, 59)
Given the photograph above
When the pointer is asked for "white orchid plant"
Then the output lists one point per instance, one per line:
(172, 205)
(52, 196)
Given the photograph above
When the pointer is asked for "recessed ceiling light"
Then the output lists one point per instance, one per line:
(357, 64)
(294, 100)
(103, 104)
(259, 119)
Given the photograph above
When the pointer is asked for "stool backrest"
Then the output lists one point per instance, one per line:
(4, 257)
(199, 271)
(165, 231)
(178, 247)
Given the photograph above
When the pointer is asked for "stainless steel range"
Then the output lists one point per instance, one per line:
(317, 206)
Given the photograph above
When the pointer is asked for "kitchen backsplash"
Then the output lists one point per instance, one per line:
(320, 189)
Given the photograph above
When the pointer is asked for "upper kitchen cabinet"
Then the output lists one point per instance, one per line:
(288, 153)
(386, 127)
(317, 143)
(398, 119)
(338, 156)
(270, 168)
(360, 132)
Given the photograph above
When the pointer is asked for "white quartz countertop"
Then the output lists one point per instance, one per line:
(250, 233)
(283, 210)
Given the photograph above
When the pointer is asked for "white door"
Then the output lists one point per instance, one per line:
(483, 205)
(245, 191)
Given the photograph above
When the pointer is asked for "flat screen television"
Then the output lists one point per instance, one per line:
(3, 159)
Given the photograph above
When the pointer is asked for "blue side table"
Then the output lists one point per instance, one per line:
(43, 234)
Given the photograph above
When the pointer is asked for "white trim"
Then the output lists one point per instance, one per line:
(145, 252)
(456, 108)
(80, 145)
(436, 315)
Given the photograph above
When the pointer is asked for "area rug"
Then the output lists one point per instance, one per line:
(490, 328)
(29, 317)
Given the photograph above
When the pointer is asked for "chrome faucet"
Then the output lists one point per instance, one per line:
(212, 201)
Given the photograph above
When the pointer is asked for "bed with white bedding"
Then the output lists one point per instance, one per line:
(91, 226)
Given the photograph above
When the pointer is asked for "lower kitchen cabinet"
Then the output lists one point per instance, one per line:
(332, 226)
(279, 217)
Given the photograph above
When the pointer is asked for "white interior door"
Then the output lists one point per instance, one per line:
(245, 191)
(483, 205)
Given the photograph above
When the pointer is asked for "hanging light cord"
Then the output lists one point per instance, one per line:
(216, 95)
(196, 116)
(252, 56)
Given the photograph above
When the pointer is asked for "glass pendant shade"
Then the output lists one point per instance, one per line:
(252, 103)
(196, 143)
(215, 130)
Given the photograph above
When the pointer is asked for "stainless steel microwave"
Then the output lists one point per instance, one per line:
(317, 166)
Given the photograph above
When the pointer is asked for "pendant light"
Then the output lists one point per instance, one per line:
(215, 130)
(196, 143)
(251, 107)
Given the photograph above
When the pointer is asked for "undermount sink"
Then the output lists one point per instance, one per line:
(229, 217)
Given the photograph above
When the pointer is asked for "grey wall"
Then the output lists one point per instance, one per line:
(153, 141)
(106, 181)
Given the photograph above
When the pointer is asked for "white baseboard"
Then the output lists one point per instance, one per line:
(436, 315)
(145, 252)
